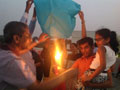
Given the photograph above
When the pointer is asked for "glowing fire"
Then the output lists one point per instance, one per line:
(58, 56)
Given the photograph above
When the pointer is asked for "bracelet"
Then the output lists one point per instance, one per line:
(36, 40)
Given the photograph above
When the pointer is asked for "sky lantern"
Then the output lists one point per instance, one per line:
(57, 17)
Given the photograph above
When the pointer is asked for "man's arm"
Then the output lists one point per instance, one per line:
(20, 75)
(81, 15)
(33, 22)
(106, 84)
(43, 37)
(52, 83)
(24, 18)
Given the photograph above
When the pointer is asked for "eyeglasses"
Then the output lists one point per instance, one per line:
(98, 39)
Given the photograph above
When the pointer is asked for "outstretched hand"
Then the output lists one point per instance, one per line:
(43, 37)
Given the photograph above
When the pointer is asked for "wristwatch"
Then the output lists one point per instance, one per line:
(35, 39)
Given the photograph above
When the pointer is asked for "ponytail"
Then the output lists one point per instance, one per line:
(114, 42)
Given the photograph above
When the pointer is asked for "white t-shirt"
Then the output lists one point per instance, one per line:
(14, 72)
(28, 58)
(110, 59)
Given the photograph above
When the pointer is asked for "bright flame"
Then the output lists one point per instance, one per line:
(58, 55)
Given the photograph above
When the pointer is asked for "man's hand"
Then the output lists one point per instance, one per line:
(28, 5)
(43, 37)
(81, 14)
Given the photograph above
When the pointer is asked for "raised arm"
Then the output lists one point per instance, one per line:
(43, 37)
(24, 18)
(81, 15)
(33, 22)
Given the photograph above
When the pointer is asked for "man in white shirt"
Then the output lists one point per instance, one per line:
(16, 73)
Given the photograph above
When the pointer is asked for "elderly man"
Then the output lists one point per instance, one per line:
(16, 73)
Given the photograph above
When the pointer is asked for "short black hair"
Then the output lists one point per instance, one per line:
(88, 40)
(13, 28)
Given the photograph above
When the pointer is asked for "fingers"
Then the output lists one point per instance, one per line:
(43, 37)
(29, 2)
(81, 14)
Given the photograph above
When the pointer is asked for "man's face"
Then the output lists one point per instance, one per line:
(26, 39)
(86, 50)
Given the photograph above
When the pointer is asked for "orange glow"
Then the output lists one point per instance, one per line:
(58, 56)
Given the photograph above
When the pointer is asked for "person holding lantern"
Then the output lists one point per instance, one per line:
(16, 73)
(32, 55)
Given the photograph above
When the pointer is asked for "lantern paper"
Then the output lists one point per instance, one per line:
(57, 17)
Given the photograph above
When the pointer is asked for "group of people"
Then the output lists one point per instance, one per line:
(93, 68)
(96, 63)
(17, 67)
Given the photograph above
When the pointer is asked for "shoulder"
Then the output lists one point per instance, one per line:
(76, 63)
(15, 67)
(9, 61)
(8, 56)
(79, 60)
(108, 48)
(101, 49)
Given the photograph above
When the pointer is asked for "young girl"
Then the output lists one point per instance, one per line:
(105, 57)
